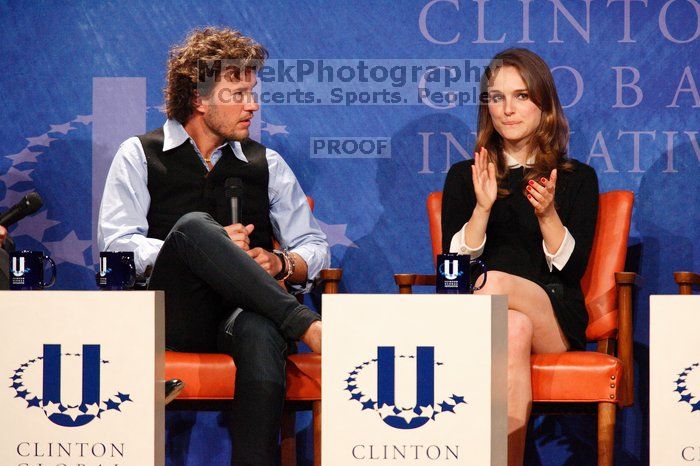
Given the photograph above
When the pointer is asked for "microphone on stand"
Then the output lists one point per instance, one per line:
(26, 206)
(233, 188)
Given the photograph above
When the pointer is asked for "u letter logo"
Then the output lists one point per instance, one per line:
(425, 383)
(18, 266)
(52, 383)
(451, 273)
(103, 266)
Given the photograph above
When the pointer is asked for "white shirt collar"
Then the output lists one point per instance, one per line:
(513, 163)
(174, 134)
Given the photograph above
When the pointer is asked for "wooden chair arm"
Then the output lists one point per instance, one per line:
(406, 281)
(425, 280)
(686, 280)
(625, 281)
(628, 278)
(330, 279)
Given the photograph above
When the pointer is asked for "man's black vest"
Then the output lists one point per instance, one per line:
(179, 183)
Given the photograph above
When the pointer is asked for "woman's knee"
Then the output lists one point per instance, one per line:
(496, 283)
(520, 333)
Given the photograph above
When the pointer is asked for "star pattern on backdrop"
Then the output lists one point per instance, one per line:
(160, 108)
(19, 181)
(44, 140)
(34, 226)
(12, 197)
(408, 414)
(23, 156)
(82, 119)
(273, 129)
(336, 234)
(18, 176)
(41, 140)
(70, 249)
(62, 129)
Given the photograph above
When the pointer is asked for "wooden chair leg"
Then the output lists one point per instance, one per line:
(288, 445)
(606, 433)
(316, 407)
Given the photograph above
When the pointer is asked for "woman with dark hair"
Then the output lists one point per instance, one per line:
(529, 212)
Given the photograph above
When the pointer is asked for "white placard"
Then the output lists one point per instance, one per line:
(85, 378)
(414, 379)
(674, 386)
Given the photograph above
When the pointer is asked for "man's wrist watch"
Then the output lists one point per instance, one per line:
(288, 265)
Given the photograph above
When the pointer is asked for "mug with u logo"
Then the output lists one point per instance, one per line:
(27, 270)
(455, 272)
(117, 271)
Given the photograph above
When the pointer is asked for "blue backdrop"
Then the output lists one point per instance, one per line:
(80, 77)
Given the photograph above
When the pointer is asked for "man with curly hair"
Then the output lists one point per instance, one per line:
(165, 200)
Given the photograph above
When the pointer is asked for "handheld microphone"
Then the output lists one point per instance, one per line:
(27, 206)
(233, 188)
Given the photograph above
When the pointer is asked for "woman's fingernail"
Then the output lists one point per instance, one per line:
(543, 180)
(531, 182)
(529, 188)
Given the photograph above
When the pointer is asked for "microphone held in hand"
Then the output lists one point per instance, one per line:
(233, 188)
(27, 206)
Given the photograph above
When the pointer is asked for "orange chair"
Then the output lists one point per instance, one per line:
(686, 281)
(210, 380)
(582, 380)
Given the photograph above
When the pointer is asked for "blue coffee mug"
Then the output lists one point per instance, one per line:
(116, 271)
(27, 270)
(455, 272)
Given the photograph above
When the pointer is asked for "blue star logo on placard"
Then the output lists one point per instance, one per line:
(61, 413)
(383, 401)
(682, 389)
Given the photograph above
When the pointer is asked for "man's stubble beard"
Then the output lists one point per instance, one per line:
(216, 123)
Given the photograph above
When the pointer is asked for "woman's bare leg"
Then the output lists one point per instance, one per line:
(532, 328)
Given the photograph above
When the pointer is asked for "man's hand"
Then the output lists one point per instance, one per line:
(3, 235)
(239, 234)
(312, 337)
(267, 260)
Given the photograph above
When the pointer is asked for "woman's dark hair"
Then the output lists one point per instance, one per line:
(549, 142)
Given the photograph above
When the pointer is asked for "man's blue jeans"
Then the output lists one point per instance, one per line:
(206, 278)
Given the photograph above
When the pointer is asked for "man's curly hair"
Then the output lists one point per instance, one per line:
(202, 51)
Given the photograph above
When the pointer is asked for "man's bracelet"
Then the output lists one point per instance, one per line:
(288, 265)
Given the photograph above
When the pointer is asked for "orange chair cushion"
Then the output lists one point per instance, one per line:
(576, 376)
(209, 376)
(304, 377)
